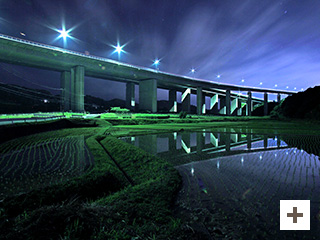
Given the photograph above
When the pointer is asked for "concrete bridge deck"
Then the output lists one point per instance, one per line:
(74, 66)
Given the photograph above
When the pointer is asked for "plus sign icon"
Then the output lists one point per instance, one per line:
(294, 214)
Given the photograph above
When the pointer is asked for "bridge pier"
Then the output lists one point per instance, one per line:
(228, 103)
(201, 105)
(65, 92)
(185, 100)
(234, 106)
(265, 109)
(130, 96)
(222, 105)
(77, 89)
(249, 104)
(173, 101)
(148, 95)
(279, 98)
(214, 100)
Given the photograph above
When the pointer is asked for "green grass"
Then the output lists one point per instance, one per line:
(102, 204)
(39, 115)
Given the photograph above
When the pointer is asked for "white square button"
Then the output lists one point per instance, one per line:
(294, 214)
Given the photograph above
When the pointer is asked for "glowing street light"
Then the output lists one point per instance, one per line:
(218, 76)
(118, 49)
(242, 80)
(64, 34)
(276, 85)
(193, 70)
(260, 83)
(156, 63)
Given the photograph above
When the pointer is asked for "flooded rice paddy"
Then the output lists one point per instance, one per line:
(27, 163)
(233, 182)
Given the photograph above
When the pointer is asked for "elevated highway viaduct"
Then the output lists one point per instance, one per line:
(74, 66)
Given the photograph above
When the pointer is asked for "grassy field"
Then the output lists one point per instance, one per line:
(127, 193)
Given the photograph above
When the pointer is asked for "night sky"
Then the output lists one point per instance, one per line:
(260, 43)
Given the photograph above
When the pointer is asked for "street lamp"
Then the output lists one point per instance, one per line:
(156, 63)
(118, 49)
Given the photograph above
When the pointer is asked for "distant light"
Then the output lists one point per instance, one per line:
(295, 88)
(242, 80)
(287, 87)
(276, 85)
(156, 61)
(45, 100)
(301, 89)
(23, 34)
(260, 83)
(193, 70)
(218, 76)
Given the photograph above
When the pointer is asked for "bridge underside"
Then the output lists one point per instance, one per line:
(221, 102)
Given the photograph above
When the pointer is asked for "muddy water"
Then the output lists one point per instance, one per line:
(233, 182)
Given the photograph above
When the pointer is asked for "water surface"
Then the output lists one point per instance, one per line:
(233, 182)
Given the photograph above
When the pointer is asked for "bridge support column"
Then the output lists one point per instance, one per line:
(65, 93)
(130, 97)
(265, 109)
(173, 101)
(279, 98)
(201, 105)
(249, 104)
(185, 100)
(214, 103)
(234, 106)
(222, 107)
(242, 106)
(77, 89)
(148, 95)
(228, 103)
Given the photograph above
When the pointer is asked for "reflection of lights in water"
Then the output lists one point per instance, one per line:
(260, 157)
(294, 151)
(218, 164)
(192, 171)
(287, 153)
(242, 159)
(275, 155)
(275, 138)
(201, 185)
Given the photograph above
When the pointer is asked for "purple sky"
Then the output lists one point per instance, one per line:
(272, 43)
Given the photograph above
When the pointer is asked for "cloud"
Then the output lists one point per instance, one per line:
(258, 43)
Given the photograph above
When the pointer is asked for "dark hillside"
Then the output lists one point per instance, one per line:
(302, 105)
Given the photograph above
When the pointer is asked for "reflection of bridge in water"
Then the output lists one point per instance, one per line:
(204, 144)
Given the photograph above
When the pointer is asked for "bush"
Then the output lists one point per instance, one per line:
(183, 114)
(119, 110)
